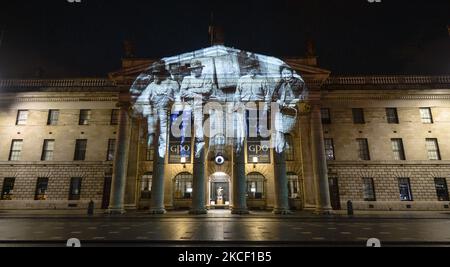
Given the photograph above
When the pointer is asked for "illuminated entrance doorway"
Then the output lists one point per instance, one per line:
(219, 195)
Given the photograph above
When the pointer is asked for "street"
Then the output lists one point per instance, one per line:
(215, 230)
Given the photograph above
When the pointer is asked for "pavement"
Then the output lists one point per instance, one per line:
(220, 228)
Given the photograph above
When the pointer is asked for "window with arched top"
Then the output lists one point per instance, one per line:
(183, 186)
(146, 185)
(293, 185)
(256, 186)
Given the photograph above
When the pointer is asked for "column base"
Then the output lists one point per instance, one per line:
(239, 211)
(157, 211)
(320, 211)
(112, 211)
(309, 207)
(282, 212)
(198, 212)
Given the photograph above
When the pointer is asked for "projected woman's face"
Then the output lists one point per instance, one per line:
(286, 74)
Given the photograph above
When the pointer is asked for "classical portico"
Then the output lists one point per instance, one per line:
(189, 182)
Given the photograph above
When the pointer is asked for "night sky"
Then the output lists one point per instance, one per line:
(56, 39)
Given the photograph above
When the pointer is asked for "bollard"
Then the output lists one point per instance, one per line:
(349, 208)
(91, 208)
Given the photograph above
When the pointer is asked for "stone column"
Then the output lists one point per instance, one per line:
(117, 197)
(281, 185)
(307, 165)
(239, 184)
(323, 203)
(198, 192)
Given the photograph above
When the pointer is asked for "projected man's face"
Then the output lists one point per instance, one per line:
(159, 78)
(197, 72)
(287, 74)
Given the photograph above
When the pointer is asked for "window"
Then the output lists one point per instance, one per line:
(146, 186)
(405, 189)
(53, 117)
(441, 189)
(80, 149)
(289, 151)
(111, 149)
(255, 186)
(397, 148)
(329, 148)
(16, 150)
(183, 186)
(75, 188)
(358, 115)
(426, 116)
(47, 150)
(85, 116)
(433, 149)
(41, 189)
(326, 118)
(115, 116)
(392, 116)
(150, 152)
(363, 149)
(8, 187)
(293, 185)
(22, 117)
(368, 189)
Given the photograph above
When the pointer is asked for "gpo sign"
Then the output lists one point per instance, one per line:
(258, 148)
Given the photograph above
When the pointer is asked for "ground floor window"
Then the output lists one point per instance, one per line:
(405, 189)
(255, 186)
(293, 185)
(441, 189)
(146, 186)
(75, 188)
(41, 189)
(183, 186)
(8, 187)
(369, 189)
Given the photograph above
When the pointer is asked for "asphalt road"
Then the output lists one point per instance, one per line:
(147, 231)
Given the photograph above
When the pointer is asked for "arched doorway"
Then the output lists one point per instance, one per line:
(219, 191)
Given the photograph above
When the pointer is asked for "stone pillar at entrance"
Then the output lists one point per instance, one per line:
(306, 148)
(117, 197)
(198, 192)
(239, 184)
(323, 203)
(281, 185)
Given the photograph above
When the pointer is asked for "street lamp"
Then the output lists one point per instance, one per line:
(183, 161)
(255, 161)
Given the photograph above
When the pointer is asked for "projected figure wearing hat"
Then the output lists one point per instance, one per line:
(155, 102)
(195, 90)
(250, 88)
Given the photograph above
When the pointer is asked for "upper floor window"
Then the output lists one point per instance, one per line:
(115, 116)
(85, 116)
(433, 149)
(426, 115)
(80, 149)
(53, 117)
(397, 148)
(22, 117)
(16, 150)
(358, 116)
(392, 116)
(47, 150)
(326, 118)
(363, 149)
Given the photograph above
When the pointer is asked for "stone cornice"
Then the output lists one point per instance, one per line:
(390, 163)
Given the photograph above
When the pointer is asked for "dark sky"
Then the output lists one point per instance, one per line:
(352, 36)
